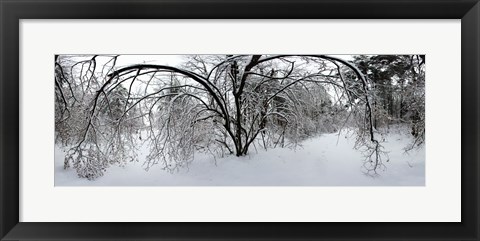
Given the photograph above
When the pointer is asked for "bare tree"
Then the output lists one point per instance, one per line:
(215, 104)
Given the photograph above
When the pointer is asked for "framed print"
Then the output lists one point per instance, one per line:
(239, 120)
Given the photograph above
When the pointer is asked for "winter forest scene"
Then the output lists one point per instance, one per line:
(239, 120)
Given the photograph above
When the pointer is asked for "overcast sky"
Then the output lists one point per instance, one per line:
(172, 60)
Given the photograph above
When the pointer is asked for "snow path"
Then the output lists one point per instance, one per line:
(319, 162)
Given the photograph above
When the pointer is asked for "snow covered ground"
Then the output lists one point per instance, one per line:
(327, 160)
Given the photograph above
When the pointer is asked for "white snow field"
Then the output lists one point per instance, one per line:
(326, 160)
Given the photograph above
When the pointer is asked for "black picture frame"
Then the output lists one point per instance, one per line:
(12, 11)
